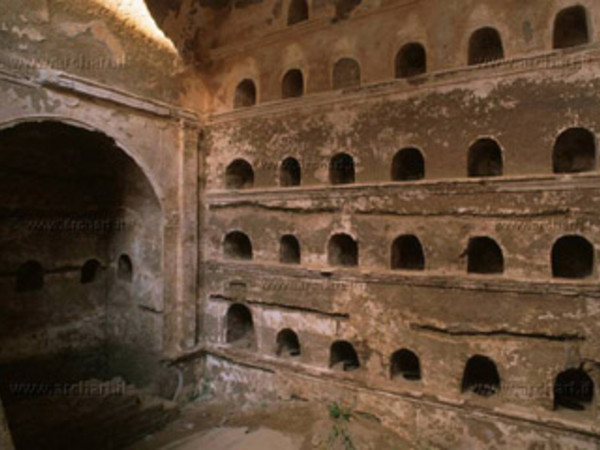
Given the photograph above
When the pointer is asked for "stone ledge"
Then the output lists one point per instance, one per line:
(548, 421)
(491, 284)
(61, 81)
(216, 198)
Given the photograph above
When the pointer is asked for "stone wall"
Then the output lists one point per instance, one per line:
(491, 295)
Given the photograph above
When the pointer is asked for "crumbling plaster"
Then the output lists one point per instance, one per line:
(529, 323)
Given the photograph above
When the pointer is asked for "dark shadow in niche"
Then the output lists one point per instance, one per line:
(290, 173)
(240, 327)
(288, 343)
(237, 245)
(485, 256)
(292, 85)
(572, 257)
(573, 389)
(485, 46)
(485, 159)
(89, 271)
(411, 60)
(405, 363)
(574, 151)
(407, 253)
(481, 376)
(571, 28)
(342, 251)
(341, 169)
(245, 94)
(343, 356)
(297, 12)
(239, 175)
(289, 250)
(408, 165)
(125, 268)
(30, 277)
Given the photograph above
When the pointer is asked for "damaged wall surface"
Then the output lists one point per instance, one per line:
(434, 208)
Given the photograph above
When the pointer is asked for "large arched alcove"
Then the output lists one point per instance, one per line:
(70, 196)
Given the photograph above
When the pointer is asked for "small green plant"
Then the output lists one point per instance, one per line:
(341, 416)
(339, 412)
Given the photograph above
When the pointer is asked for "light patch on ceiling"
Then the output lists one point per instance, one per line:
(135, 13)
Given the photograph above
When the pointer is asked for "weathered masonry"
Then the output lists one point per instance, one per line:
(390, 203)
(413, 223)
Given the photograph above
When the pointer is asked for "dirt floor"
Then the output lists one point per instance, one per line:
(293, 425)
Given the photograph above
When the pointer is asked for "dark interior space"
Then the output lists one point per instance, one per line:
(573, 389)
(571, 27)
(70, 203)
(574, 151)
(411, 60)
(292, 85)
(237, 246)
(290, 173)
(481, 376)
(485, 46)
(485, 159)
(341, 169)
(572, 257)
(407, 254)
(90, 270)
(240, 327)
(245, 94)
(30, 277)
(239, 175)
(405, 363)
(342, 251)
(125, 268)
(297, 12)
(289, 250)
(484, 256)
(343, 357)
(288, 343)
(408, 165)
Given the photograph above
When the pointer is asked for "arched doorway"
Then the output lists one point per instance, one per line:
(69, 196)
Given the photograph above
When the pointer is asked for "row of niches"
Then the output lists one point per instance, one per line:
(575, 151)
(572, 256)
(571, 29)
(572, 388)
(30, 275)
